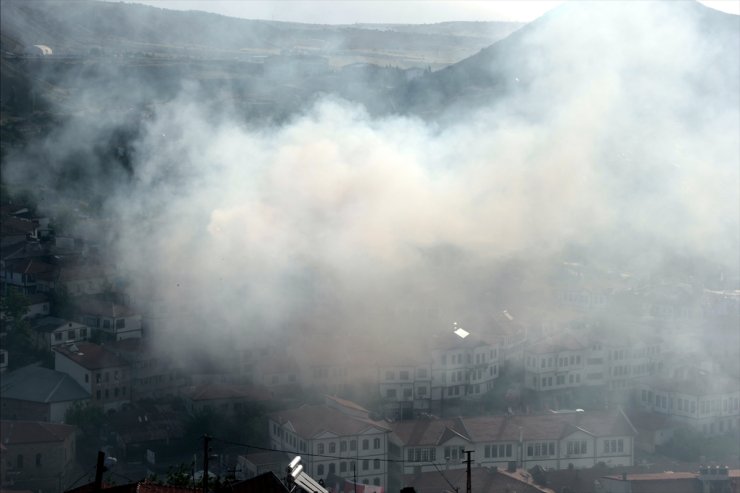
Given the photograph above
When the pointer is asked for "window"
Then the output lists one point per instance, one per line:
(577, 447)
(19, 461)
(376, 443)
(343, 446)
(332, 447)
(320, 470)
(404, 375)
(342, 467)
(390, 393)
(70, 334)
(408, 393)
(540, 449)
(365, 444)
(107, 394)
(421, 373)
(320, 448)
(57, 336)
(422, 391)
(376, 481)
(353, 444)
(97, 395)
(106, 323)
(332, 468)
(389, 375)
(38, 460)
(121, 323)
(83, 332)
(376, 464)
(87, 377)
(365, 465)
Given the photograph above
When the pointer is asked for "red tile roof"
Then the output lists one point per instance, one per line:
(555, 344)
(25, 432)
(89, 305)
(90, 355)
(428, 431)
(29, 266)
(695, 383)
(311, 420)
(547, 426)
(654, 476)
(483, 480)
(345, 403)
(209, 392)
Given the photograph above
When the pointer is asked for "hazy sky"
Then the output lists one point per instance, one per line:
(396, 11)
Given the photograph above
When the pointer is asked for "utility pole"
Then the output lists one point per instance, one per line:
(99, 469)
(468, 461)
(206, 439)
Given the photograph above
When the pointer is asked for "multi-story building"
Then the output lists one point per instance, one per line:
(463, 367)
(610, 361)
(99, 371)
(457, 368)
(49, 332)
(556, 364)
(38, 456)
(340, 436)
(155, 374)
(39, 394)
(554, 440)
(113, 320)
(406, 389)
(707, 402)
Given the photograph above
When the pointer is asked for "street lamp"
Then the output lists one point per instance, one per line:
(301, 479)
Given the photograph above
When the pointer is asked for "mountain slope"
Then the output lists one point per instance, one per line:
(581, 42)
(77, 26)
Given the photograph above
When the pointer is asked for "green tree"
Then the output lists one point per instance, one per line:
(86, 417)
(62, 305)
(14, 305)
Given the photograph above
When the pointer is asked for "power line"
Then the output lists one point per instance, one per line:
(445, 477)
(86, 473)
(324, 456)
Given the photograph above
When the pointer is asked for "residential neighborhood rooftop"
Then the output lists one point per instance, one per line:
(26, 432)
(90, 355)
(38, 384)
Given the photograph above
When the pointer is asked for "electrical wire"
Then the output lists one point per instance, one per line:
(323, 456)
(456, 488)
(86, 473)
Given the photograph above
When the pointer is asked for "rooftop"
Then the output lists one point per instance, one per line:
(27, 432)
(37, 384)
(90, 355)
(90, 305)
(309, 421)
(550, 426)
(208, 392)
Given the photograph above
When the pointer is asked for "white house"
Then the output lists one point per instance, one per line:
(341, 437)
(553, 440)
(100, 372)
(456, 368)
(707, 402)
(556, 363)
(48, 332)
(113, 320)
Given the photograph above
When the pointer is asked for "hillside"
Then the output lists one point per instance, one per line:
(577, 43)
(83, 26)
